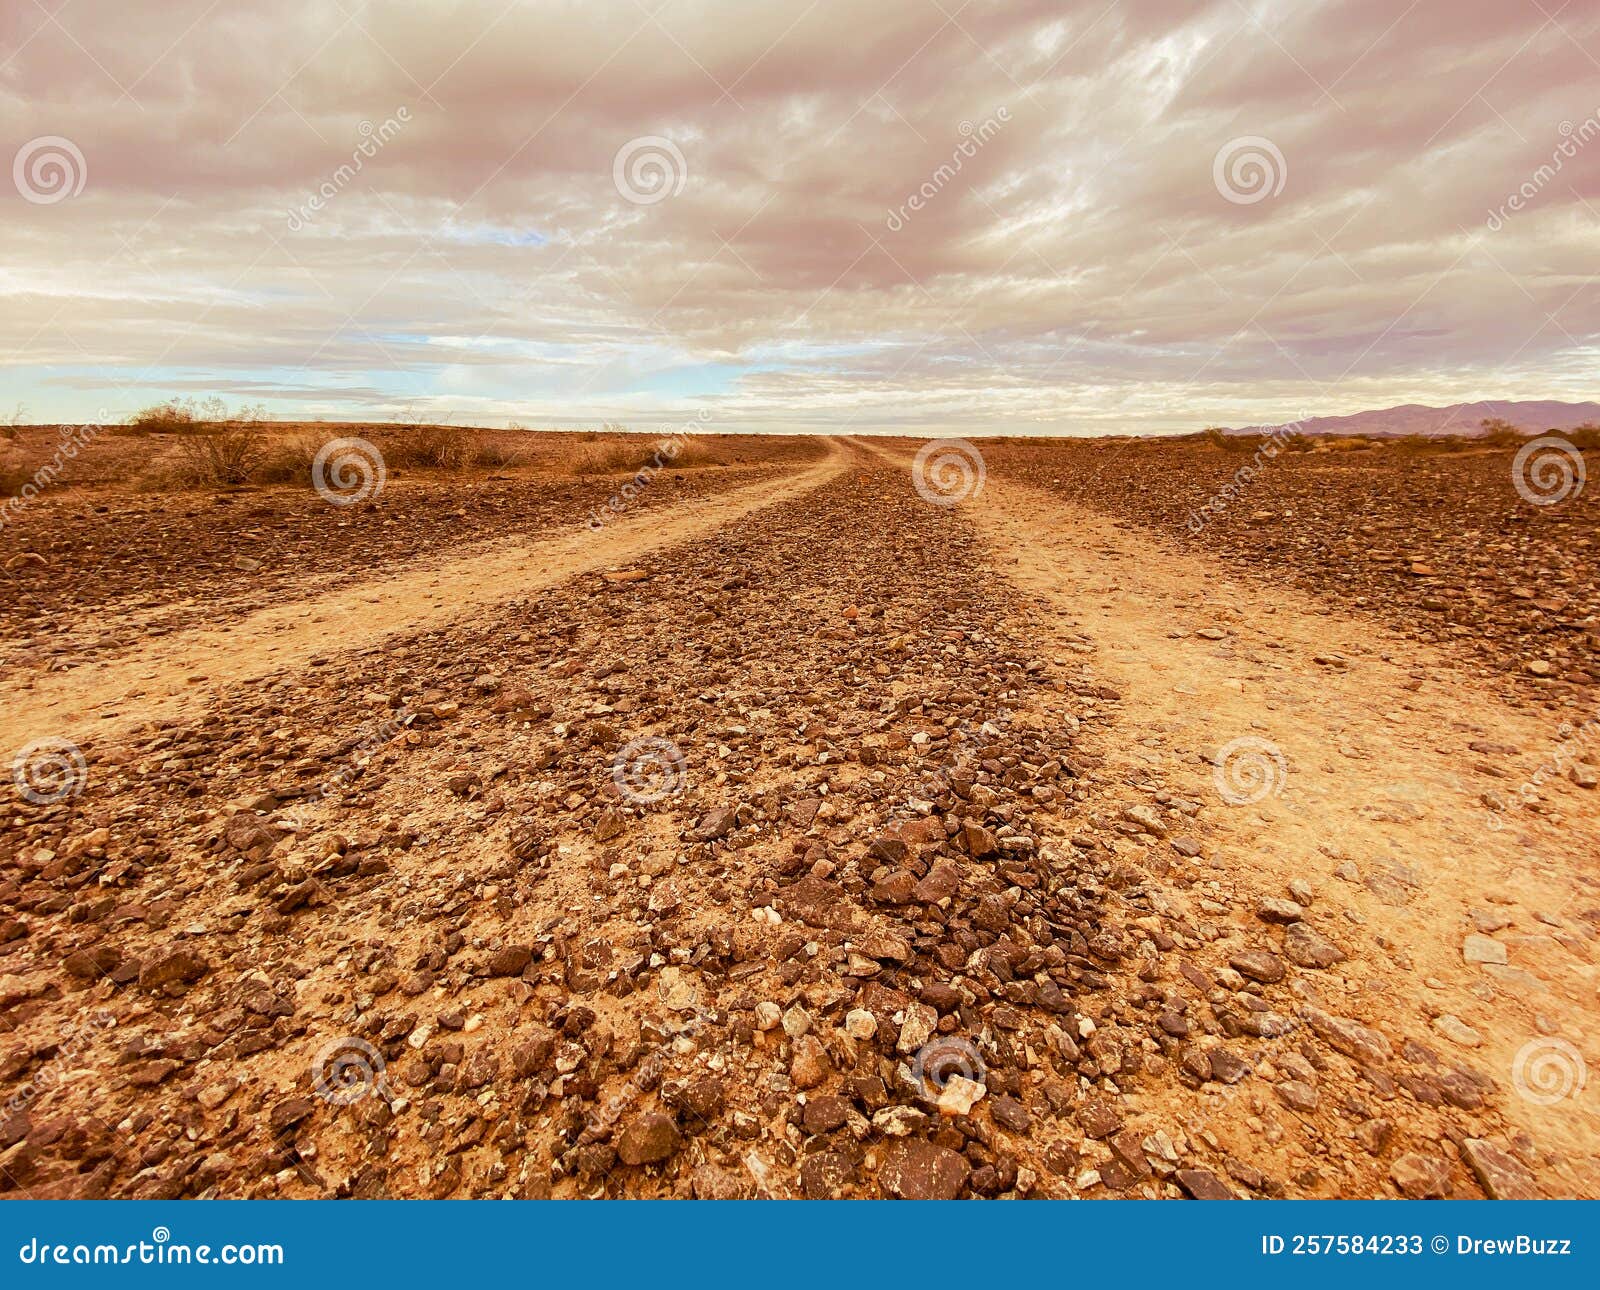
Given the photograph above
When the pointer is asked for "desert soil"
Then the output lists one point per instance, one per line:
(811, 839)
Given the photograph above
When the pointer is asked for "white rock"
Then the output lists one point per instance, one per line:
(960, 1095)
(860, 1024)
(1482, 949)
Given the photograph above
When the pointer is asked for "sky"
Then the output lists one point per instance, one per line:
(903, 216)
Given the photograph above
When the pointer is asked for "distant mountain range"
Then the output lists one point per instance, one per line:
(1531, 415)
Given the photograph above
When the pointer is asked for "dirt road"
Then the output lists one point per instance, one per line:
(854, 844)
(162, 678)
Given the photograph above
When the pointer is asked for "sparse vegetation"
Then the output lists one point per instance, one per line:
(221, 458)
(634, 453)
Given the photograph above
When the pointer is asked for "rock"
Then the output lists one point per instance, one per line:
(825, 1175)
(978, 841)
(916, 1170)
(677, 990)
(796, 1022)
(1274, 909)
(860, 1024)
(1202, 1184)
(92, 964)
(768, 1014)
(1306, 947)
(917, 1028)
(1350, 1037)
(179, 967)
(942, 881)
(1147, 819)
(898, 1121)
(1227, 1067)
(825, 1114)
(1098, 1118)
(1374, 1135)
(1420, 1177)
(716, 825)
(700, 1098)
(288, 1113)
(513, 960)
(647, 1139)
(1301, 891)
(1009, 1113)
(1457, 1031)
(1258, 965)
(1500, 1174)
(611, 824)
(1482, 949)
(1296, 1095)
(810, 1066)
(959, 1095)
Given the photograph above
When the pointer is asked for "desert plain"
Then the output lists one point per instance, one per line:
(801, 817)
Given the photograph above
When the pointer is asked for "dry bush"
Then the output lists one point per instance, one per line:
(186, 416)
(286, 462)
(499, 453)
(1584, 436)
(433, 447)
(1500, 433)
(630, 456)
(222, 458)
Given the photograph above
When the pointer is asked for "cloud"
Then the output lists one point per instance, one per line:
(989, 216)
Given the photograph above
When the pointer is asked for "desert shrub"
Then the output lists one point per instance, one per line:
(1500, 433)
(628, 456)
(220, 458)
(286, 462)
(497, 453)
(431, 447)
(186, 416)
(171, 417)
(1584, 436)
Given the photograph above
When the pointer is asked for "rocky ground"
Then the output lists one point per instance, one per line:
(832, 843)
(163, 560)
(1440, 546)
